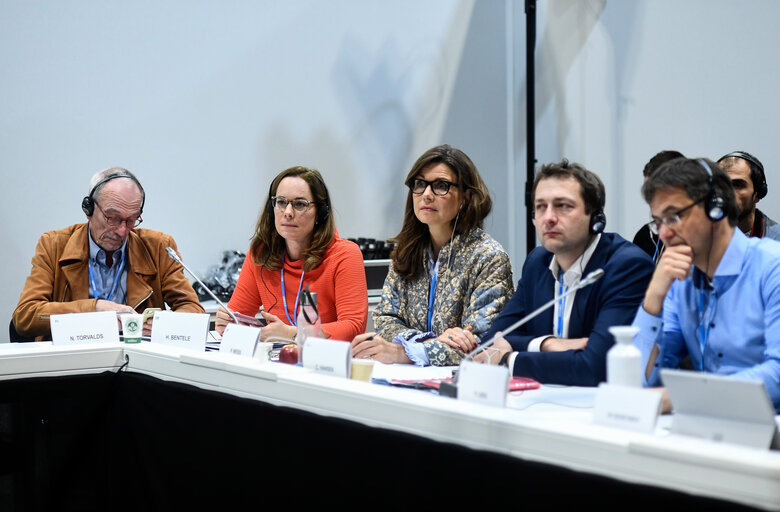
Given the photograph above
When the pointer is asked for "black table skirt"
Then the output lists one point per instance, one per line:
(130, 441)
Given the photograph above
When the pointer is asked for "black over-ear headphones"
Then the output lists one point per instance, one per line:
(714, 205)
(761, 187)
(88, 203)
(323, 210)
(598, 221)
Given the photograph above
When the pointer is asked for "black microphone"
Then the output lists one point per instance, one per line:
(451, 388)
(175, 257)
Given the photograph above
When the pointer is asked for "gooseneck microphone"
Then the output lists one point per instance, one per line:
(451, 388)
(175, 257)
(589, 280)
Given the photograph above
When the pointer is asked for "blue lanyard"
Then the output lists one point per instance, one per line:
(655, 254)
(703, 330)
(297, 296)
(431, 295)
(93, 286)
(561, 303)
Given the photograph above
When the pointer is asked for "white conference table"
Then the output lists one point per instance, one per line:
(553, 425)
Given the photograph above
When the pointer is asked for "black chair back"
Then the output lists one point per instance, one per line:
(15, 337)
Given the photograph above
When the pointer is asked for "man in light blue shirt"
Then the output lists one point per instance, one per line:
(715, 294)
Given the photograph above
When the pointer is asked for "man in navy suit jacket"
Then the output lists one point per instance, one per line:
(568, 344)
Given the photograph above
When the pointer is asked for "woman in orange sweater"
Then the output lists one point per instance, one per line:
(296, 244)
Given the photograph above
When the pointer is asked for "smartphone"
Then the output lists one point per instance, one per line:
(250, 320)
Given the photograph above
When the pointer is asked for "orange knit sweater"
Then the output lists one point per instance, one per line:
(340, 283)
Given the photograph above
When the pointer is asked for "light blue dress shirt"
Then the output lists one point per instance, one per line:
(104, 277)
(731, 327)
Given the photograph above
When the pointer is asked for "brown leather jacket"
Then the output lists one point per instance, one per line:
(59, 280)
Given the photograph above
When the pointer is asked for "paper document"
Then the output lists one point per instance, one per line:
(407, 372)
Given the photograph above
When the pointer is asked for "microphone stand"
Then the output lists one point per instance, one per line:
(175, 257)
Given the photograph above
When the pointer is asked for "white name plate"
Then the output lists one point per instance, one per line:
(330, 357)
(80, 328)
(183, 330)
(627, 408)
(483, 383)
(239, 340)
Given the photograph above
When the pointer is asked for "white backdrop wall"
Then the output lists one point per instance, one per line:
(619, 81)
(207, 100)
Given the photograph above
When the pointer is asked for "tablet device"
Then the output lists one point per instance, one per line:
(721, 408)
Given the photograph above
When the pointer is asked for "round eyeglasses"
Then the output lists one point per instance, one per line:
(131, 222)
(299, 205)
(672, 220)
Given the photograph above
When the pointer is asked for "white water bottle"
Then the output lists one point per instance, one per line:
(624, 360)
(304, 327)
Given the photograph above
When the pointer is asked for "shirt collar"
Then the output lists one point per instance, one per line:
(730, 264)
(574, 274)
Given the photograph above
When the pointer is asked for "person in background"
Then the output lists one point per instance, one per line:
(715, 294)
(645, 238)
(105, 264)
(296, 244)
(449, 279)
(749, 182)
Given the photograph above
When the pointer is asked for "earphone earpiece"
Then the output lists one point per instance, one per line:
(598, 222)
(714, 205)
(87, 205)
(322, 212)
(716, 208)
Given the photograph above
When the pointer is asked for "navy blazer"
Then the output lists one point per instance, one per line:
(612, 300)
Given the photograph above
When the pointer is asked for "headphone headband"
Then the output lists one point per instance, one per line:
(88, 203)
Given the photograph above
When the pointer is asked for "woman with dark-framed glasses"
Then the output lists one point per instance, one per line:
(448, 279)
(296, 245)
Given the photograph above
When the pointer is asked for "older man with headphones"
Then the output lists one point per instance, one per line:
(568, 344)
(715, 294)
(105, 264)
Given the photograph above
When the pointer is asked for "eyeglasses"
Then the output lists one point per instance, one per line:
(299, 205)
(438, 187)
(672, 220)
(130, 222)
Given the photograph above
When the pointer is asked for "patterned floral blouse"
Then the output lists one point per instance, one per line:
(472, 288)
